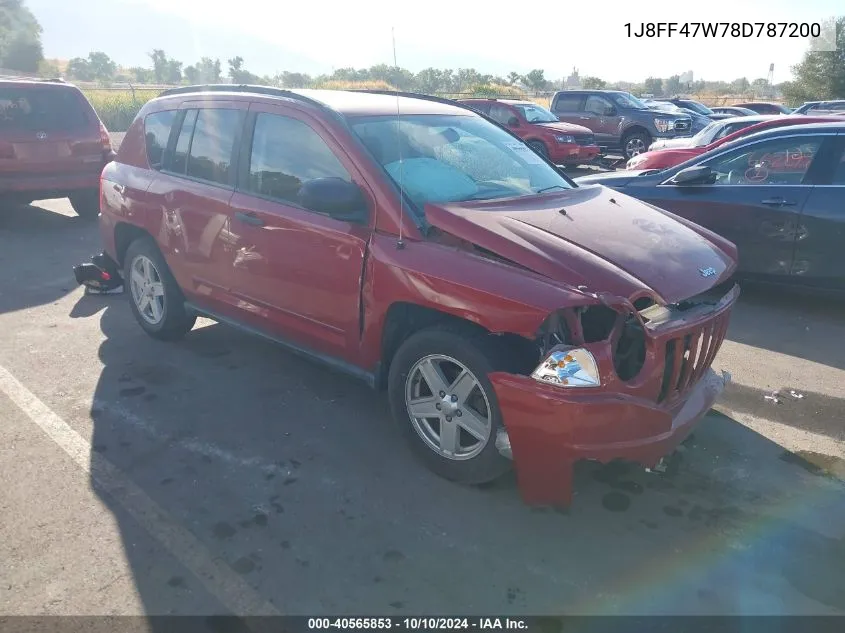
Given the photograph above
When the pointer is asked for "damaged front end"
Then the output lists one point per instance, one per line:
(620, 379)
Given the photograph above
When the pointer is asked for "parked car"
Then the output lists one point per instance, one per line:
(52, 145)
(668, 156)
(821, 107)
(713, 132)
(699, 121)
(698, 108)
(762, 107)
(620, 121)
(562, 143)
(734, 111)
(507, 312)
(777, 194)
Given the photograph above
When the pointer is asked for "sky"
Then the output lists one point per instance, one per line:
(316, 36)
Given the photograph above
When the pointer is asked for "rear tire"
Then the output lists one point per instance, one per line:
(155, 297)
(476, 459)
(86, 203)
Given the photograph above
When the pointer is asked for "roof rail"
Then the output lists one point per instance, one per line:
(245, 88)
(417, 95)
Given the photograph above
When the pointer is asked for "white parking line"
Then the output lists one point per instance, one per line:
(217, 577)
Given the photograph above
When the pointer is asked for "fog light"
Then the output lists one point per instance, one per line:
(568, 367)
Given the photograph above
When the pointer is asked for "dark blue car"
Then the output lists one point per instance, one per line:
(779, 195)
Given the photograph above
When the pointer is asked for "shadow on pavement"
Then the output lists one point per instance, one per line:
(792, 322)
(39, 249)
(297, 479)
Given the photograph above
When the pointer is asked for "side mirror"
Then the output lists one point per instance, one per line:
(335, 197)
(699, 175)
(513, 122)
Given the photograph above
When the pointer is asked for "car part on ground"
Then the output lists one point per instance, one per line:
(620, 121)
(52, 144)
(433, 254)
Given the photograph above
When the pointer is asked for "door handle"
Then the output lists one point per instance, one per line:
(584, 118)
(119, 189)
(777, 202)
(249, 218)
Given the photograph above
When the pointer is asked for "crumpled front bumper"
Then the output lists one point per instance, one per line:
(549, 429)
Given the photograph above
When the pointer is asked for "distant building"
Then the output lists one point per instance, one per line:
(573, 82)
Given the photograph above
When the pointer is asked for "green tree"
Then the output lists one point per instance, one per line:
(821, 74)
(173, 72)
(514, 78)
(159, 65)
(191, 74)
(536, 80)
(209, 71)
(672, 85)
(20, 37)
(653, 86)
(102, 66)
(294, 80)
(142, 75)
(79, 68)
(740, 86)
(593, 83)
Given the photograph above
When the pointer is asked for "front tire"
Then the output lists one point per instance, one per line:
(86, 203)
(441, 396)
(155, 297)
(634, 143)
(540, 148)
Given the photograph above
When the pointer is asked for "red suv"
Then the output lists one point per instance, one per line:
(52, 145)
(562, 143)
(417, 245)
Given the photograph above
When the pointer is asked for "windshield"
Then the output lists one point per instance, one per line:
(625, 100)
(536, 114)
(453, 158)
(705, 136)
(700, 108)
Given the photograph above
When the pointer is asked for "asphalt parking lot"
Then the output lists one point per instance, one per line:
(221, 474)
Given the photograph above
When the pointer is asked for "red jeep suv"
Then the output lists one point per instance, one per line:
(562, 143)
(420, 246)
(52, 145)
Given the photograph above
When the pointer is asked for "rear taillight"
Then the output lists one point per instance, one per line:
(105, 139)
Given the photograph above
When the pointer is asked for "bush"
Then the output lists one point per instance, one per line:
(334, 84)
(118, 108)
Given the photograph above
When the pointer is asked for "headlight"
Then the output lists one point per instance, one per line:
(564, 138)
(568, 367)
(664, 125)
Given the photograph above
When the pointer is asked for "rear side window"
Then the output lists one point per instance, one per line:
(42, 109)
(215, 133)
(183, 143)
(287, 153)
(568, 103)
(157, 132)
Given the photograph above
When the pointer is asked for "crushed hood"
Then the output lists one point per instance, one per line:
(605, 241)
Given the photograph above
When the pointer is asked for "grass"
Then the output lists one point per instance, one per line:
(118, 108)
